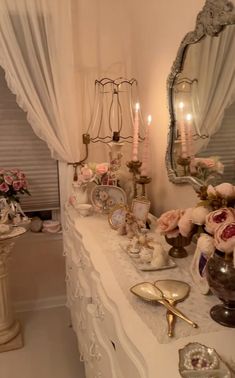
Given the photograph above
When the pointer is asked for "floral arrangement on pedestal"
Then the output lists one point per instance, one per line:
(12, 184)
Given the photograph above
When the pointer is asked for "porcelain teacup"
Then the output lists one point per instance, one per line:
(84, 209)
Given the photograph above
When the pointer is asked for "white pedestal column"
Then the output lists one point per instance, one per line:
(10, 337)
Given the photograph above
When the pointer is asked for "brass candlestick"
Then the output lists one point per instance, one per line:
(185, 163)
(143, 180)
(134, 168)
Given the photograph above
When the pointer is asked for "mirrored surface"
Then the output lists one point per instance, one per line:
(201, 90)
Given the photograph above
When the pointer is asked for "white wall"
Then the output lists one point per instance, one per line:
(157, 30)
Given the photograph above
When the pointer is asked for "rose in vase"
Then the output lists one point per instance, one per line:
(12, 184)
(215, 218)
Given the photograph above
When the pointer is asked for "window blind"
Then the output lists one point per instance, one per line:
(221, 145)
(21, 148)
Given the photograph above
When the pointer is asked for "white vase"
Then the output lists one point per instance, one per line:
(80, 194)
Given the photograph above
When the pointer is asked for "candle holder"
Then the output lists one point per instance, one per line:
(185, 163)
(143, 181)
(134, 168)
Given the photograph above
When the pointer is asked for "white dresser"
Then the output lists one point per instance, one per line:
(117, 337)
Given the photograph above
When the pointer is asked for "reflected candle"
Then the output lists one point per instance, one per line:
(145, 157)
(189, 134)
(182, 131)
(136, 133)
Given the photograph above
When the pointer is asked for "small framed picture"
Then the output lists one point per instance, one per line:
(117, 216)
(140, 208)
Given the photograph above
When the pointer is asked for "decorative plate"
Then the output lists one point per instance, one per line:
(199, 361)
(117, 216)
(16, 231)
(105, 197)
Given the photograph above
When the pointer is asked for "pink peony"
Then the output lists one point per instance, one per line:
(199, 214)
(102, 168)
(185, 223)
(225, 237)
(168, 223)
(215, 218)
(4, 187)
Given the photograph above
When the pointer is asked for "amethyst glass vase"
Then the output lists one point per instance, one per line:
(220, 273)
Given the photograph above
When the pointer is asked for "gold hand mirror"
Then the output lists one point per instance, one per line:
(173, 291)
(149, 292)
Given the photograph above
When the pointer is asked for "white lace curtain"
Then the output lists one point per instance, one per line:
(215, 89)
(52, 51)
(37, 56)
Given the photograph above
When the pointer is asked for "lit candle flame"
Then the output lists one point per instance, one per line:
(189, 117)
(137, 106)
(149, 119)
(181, 105)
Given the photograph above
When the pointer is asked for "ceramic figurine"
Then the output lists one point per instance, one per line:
(131, 227)
(145, 255)
(160, 258)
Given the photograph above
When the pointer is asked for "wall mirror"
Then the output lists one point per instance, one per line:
(201, 95)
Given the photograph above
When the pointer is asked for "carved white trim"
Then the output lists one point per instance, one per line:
(212, 19)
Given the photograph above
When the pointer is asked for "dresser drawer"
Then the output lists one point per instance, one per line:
(125, 354)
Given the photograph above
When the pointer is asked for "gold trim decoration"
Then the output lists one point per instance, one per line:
(140, 208)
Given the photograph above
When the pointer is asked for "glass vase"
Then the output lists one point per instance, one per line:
(178, 243)
(220, 274)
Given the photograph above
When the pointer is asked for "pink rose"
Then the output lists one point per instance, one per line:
(23, 184)
(21, 175)
(199, 214)
(168, 223)
(102, 168)
(4, 187)
(185, 223)
(215, 218)
(86, 173)
(17, 185)
(8, 179)
(226, 190)
(225, 237)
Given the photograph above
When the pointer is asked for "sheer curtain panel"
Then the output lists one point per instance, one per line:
(37, 55)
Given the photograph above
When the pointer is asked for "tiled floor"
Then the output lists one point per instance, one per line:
(50, 348)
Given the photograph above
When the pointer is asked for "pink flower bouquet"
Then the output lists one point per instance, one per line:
(12, 184)
(175, 222)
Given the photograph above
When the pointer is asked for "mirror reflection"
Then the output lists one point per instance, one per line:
(203, 107)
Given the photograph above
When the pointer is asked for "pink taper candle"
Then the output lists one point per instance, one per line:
(182, 131)
(136, 133)
(145, 157)
(189, 135)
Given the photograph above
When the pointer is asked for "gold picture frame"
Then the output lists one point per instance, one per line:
(140, 208)
(117, 216)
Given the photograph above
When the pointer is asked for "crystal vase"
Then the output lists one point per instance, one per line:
(220, 273)
(178, 243)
